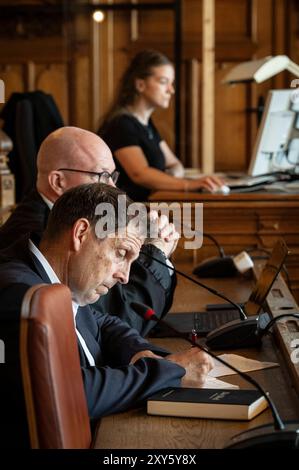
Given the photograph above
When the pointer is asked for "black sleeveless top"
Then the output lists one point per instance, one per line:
(125, 131)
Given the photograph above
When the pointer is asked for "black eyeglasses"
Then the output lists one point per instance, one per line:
(104, 176)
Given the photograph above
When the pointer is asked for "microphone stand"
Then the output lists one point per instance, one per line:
(243, 316)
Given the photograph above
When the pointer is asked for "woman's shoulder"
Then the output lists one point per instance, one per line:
(122, 131)
(124, 120)
(120, 123)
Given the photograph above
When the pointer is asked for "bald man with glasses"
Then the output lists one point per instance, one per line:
(67, 158)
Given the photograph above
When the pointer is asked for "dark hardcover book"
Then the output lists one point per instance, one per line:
(207, 403)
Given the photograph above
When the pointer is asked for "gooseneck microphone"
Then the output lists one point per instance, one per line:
(204, 286)
(213, 239)
(263, 436)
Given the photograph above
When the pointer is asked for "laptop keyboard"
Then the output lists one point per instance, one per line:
(205, 322)
(202, 322)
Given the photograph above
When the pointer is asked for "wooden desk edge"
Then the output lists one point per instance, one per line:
(197, 196)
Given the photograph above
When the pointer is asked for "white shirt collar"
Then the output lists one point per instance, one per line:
(49, 203)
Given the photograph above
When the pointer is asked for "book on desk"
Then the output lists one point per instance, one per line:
(207, 403)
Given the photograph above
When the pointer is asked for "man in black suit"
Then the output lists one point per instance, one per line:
(69, 157)
(120, 369)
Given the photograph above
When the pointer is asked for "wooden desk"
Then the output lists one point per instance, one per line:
(244, 221)
(136, 430)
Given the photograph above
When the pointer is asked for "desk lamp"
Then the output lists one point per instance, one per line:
(260, 70)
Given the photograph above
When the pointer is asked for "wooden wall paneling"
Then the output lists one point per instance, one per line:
(37, 50)
(194, 112)
(102, 85)
(30, 82)
(134, 23)
(107, 63)
(79, 73)
(111, 85)
(184, 97)
(208, 87)
(230, 18)
(280, 39)
(293, 28)
(80, 91)
(262, 34)
(13, 75)
(191, 96)
(95, 73)
(114, 55)
(230, 123)
(233, 40)
(53, 79)
(159, 22)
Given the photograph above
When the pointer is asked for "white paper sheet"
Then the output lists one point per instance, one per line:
(211, 382)
(242, 363)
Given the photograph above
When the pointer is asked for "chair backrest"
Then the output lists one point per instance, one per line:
(53, 386)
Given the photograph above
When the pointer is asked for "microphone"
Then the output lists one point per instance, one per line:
(271, 435)
(234, 334)
(221, 266)
(226, 266)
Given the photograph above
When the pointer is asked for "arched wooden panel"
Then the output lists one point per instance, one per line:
(13, 77)
(53, 79)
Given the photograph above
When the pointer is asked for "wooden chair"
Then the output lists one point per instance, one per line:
(53, 386)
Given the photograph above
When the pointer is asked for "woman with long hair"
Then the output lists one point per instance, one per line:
(145, 161)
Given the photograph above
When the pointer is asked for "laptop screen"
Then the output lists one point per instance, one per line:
(267, 278)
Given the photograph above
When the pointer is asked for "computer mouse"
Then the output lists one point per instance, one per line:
(222, 190)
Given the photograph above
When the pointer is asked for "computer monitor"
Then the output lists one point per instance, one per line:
(277, 144)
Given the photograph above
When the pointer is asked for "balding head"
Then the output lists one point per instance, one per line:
(70, 147)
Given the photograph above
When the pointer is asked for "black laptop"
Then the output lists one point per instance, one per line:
(218, 314)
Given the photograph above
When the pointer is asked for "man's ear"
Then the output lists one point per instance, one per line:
(57, 182)
(80, 233)
(139, 85)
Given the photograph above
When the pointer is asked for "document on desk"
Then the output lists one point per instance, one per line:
(242, 363)
(212, 382)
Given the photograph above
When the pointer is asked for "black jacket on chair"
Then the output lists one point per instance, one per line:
(112, 385)
(150, 283)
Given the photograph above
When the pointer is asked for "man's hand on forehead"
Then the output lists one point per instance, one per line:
(163, 233)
